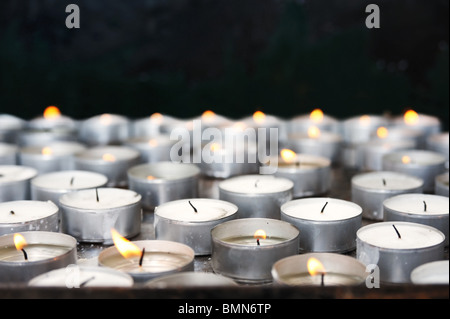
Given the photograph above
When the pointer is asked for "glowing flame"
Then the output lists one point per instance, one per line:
(156, 117)
(406, 159)
(105, 119)
(19, 241)
(313, 132)
(364, 119)
(150, 177)
(259, 117)
(215, 147)
(411, 117)
(239, 126)
(47, 151)
(382, 132)
(260, 234)
(126, 248)
(208, 116)
(315, 267)
(288, 156)
(51, 112)
(108, 157)
(152, 142)
(316, 116)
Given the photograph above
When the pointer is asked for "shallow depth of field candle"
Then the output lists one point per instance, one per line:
(425, 123)
(425, 209)
(398, 247)
(325, 224)
(358, 129)
(301, 123)
(8, 154)
(432, 273)
(104, 129)
(10, 126)
(15, 182)
(189, 221)
(190, 279)
(257, 195)
(369, 190)
(245, 249)
(152, 149)
(89, 215)
(441, 184)
(27, 254)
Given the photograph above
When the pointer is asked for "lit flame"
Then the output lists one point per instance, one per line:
(46, 151)
(239, 126)
(215, 147)
(152, 142)
(126, 248)
(108, 157)
(156, 117)
(51, 112)
(411, 117)
(208, 116)
(315, 267)
(364, 119)
(260, 234)
(150, 177)
(105, 119)
(19, 241)
(259, 117)
(406, 159)
(288, 156)
(382, 132)
(316, 116)
(313, 132)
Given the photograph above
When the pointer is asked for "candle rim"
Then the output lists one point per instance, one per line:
(53, 209)
(435, 158)
(355, 181)
(30, 173)
(287, 187)
(387, 203)
(36, 181)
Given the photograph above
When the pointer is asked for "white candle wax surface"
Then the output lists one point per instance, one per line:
(54, 149)
(321, 209)
(25, 210)
(386, 181)
(413, 235)
(163, 171)
(119, 153)
(69, 180)
(108, 198)
(256, 184)
(207, 210)
(303, 162)
(418, 204)
(14, 173)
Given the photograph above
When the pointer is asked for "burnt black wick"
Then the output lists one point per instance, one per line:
(384, 182)
(257, 241)
(71, 181)
(323, 208)
(195, 209)
(84, 283)
(12, 212)
(96, 194)
(256, 183)
(424, 206)
(398, 234)
(142, 257)
(25, 255)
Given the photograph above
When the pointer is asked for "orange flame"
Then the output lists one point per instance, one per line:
(153, 142)
(316, 116)
(126, 248)
(406, 159)
(364, 119)
(215, 147)
(150, 177)
(382, 132)
(208, 115)
(259, 117)
(315, 267)
(47, 151)
(157, 117)
(260, 234)
(105, 119)
(313, 132)
(19, 241)
(411, 117)
(51, 112)
(109, 157)
(288, 155)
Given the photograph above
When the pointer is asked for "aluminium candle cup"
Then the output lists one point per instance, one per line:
(111, 161)
(325, 224)
(104, 129)
(379, 244)
(163, 182)
(30, 137)
(161, 258)
(257, 195)
(432, 273)
(8, 154)
(28, 215)
(359, 129)
(45, 251)
(427, 209)
(301, 123)
(10, 126)
(15, 182)
(177, 221)
(374, 150)
(190, 279)
(89, 220)
(236, 254)
(427, 124)
(441, 185)
(340, 270)
(152, 149)
(439, 143)
(369, 190)
(51, 186)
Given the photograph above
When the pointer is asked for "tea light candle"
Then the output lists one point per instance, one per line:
(151, 259)
(89, 215)
(337, 270)
(57, 156)
(374, 150)
(427, 124)
(398, 247)
(42, 138)
(189, 221)
(152, 149)
(52, 119)
(432, 273)
(423, 164)
(369, 190)
(256, 195)
(15, 182)
(310, 174)
(325, 224)
(111, 161)
(28, 215)
(10, 126)
(246, 249)
(301, 123)
(104, 129)
(424, 209)
(359, 129)
(44, 251)
(51, 186)
(190, 279)
(74, 276)
(269, 123)
(441, 184)
(149, 126)
(8, 154)
(163, 182)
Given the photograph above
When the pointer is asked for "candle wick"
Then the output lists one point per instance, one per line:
(384, 182)
(84, 283)
(96, 194)
(257, 241)
(297, 164)
(25, 255)
(142, 257)
(71, 181)
(12, 212)
(398, 234)
(323, 208)
(322, 281)
(424, 206)
(256, 183)
(195, 209)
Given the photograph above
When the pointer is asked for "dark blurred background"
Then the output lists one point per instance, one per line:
(182, 57)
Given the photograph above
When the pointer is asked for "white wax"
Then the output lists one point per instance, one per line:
(69, 180)
(54, 149)
(11, 122)
(26, 210)
(324, 137)
(310, 209)
(414, 204)
(207, 210)
(120, 153)
(413, 235)
(435, 272)
(256, 184)
(416, 158)
(304, 162)
(385, 181)
(14, 173)
(160, 171)
(108, 198)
